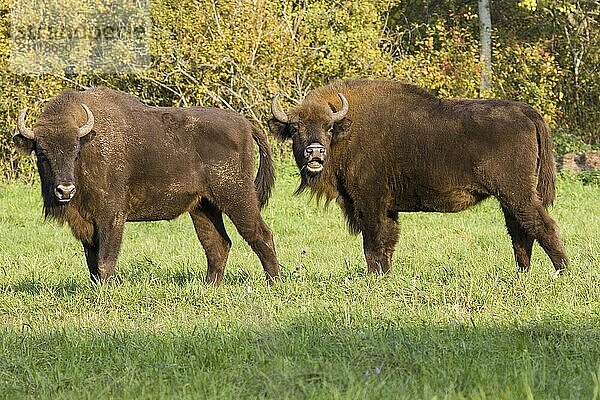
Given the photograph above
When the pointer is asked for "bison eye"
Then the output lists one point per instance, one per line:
(41, 157)
(293, 129)
(39, 153)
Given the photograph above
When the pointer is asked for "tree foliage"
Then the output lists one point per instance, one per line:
(238, 54)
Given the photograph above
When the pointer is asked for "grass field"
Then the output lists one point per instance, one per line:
(455, 321)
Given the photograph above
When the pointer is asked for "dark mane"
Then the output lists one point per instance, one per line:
(52, 209)
(419, 91)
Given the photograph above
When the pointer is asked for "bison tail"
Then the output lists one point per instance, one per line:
(265, 177)
(546, 186)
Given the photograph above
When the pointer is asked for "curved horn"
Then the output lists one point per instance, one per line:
(338, 116)
(23, 130)
(277, 113)
(87, 128)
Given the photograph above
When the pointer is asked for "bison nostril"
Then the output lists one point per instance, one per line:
(65, 191)
(314, 149)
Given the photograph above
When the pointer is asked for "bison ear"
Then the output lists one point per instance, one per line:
(23, 144)
(280, 130)
(340, 129)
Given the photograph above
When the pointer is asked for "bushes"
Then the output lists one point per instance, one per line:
(445, 59)
(527, 72)
(237, 54)
(230, 54)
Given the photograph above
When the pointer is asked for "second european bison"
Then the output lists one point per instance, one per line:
(383, 147)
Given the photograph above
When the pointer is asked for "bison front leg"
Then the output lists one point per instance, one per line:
(208, 222)
(379, 240)
(101, 254)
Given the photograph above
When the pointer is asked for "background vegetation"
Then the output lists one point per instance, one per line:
(237, 54)
(455, 321)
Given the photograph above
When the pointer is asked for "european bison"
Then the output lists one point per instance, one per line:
(383, 147)
(105, 158)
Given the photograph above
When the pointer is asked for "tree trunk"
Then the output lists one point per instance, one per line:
(486, 46)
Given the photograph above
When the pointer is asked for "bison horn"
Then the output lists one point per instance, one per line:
(338, 116)
(23, 130)
(277, 113)
(87, 128)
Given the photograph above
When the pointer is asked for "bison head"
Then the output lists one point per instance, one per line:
(313, 128)
(56, 142)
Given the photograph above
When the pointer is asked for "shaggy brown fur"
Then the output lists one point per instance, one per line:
(401, 149)
(144, 163)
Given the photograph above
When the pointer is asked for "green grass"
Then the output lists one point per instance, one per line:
(455, 320)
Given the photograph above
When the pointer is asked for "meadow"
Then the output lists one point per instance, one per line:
(456, 320)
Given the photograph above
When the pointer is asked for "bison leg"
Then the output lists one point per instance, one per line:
(379, 240)
(535, 220)
(208, 222)
(101, 255)
(247, 220)
(522, 242)
(91, 258)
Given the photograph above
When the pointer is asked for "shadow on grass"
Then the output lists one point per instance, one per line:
(389, 360)
(33, 286)
(182, 277)
(234, 276)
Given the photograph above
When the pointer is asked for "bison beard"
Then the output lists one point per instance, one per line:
(105, 158)
(397, 148)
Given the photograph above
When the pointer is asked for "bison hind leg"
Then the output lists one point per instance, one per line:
(208, 223)
(532, 221)
(521, 240)
(525, 214)
(243, 210)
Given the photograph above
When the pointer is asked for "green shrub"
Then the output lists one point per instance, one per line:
(591, 178)
(445, 60)
(238, 54)
(566, 142)
(229, 54)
